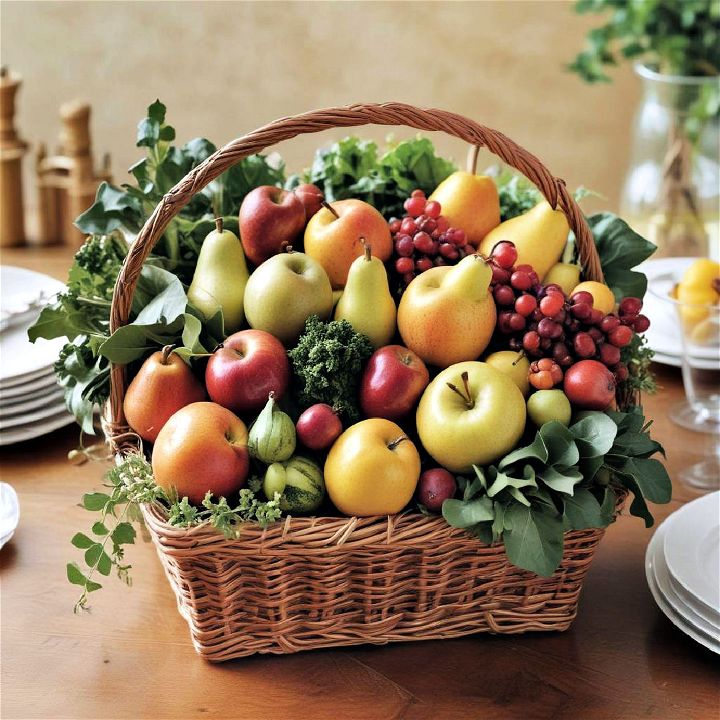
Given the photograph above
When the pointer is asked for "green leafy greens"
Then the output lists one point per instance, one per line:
(561, 481)
(352, 168)
(160, 312)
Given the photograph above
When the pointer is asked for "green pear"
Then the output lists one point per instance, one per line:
(220, 278)
(366, 302)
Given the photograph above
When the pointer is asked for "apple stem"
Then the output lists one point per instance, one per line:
(286, 247)
(394, 443)
(166, 354)
(219, 224)
(218, 347)
(466, 396)
(368, 249)
(520, 356)
(329, 207)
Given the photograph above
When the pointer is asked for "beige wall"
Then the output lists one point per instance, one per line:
(223, 68)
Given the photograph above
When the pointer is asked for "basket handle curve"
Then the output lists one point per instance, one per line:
(286, 128)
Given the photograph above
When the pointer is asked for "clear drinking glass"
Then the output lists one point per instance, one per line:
(698, 327)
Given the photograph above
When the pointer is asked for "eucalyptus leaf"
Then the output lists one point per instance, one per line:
(561, 480)
(465, 514)
(533, 538)
(537, 450)
(594, 434)
(560, 444)
(584, 511)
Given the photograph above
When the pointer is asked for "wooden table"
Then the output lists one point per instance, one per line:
(131, 656)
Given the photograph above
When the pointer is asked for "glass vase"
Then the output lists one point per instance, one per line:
(671, 193)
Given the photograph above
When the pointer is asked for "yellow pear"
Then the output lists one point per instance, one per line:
(220, 277)
(447, 314)
(470, 203)
(539, 236)
(366, 302)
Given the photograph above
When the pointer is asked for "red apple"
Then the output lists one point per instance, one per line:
(435, 487)
(269, 218)
(245, 369)
(311, 196)
(393, 381)
(318, 427)
(589, 385)
(201, 448)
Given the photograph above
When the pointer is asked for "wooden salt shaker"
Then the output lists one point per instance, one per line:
(12, 149)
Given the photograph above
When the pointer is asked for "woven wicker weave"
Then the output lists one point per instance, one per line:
(309, 583)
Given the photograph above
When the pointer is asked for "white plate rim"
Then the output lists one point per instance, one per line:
(15, 520)
(677, 620)
(679, 603)
(16, 435)
(677, 568)
(26, 378)
(21, 404)
(8, 423)
(44, 382)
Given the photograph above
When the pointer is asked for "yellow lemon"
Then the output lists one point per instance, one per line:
(700, 275)
(695, 301)
(603, 298)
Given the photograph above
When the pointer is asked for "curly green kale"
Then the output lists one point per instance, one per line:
(327, 363)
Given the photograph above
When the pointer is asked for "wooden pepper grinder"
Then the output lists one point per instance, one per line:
(67, 182)
(12, 149)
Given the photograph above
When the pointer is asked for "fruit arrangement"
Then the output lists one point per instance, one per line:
(314, 356)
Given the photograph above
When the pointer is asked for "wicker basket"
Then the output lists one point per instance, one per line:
(309, 583)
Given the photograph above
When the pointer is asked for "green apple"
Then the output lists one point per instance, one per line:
(284, 292)
(546, 405)
(513, 364)
(470, 414)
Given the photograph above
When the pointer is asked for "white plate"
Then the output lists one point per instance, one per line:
(9, 512)
(692, 611)
(28, 432)
(663, 335)
(19, 355)
(17, 406)
(45, 384)
(26, 378)
(675, 618)
(692, 548)
(50, 410)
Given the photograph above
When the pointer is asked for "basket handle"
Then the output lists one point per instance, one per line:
(477, 135)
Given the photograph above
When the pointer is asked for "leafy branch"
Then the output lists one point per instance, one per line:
(131, 484)
(560, 482)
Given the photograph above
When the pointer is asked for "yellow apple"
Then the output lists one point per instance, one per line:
(372, 469)
(470, 203)
(447, 314)
(476, 421)
(335, 233)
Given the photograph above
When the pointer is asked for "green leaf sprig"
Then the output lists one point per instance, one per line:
(130, 484)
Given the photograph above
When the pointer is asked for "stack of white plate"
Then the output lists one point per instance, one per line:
(682, 565)
(31, 401)
(663, 335)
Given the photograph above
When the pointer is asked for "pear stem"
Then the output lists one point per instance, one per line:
(329, 207)
(367, 248)
(219, 224)
(472, 159)
(394, 443)
(166, 354)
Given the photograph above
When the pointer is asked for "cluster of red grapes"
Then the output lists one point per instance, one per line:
(543, 322)
(424, 239)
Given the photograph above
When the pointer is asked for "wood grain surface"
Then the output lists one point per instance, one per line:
(131, 656)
